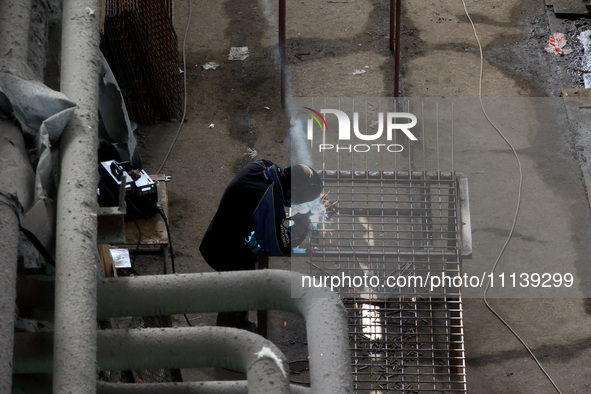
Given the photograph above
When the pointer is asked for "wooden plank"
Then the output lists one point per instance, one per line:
(106, 259)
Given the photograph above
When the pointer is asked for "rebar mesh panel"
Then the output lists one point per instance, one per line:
(407, 345)
(390, 214)
(404, 338)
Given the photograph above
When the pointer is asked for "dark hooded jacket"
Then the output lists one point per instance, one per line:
(254, 201)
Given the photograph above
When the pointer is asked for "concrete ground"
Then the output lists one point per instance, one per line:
(440, 59)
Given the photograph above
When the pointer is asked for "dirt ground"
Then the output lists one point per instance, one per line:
(235, 109)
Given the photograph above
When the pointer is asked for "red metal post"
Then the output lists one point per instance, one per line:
(397, 53)
(282, 47)
(392, 25)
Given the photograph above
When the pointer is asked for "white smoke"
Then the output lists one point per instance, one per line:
(300, 152)
(298, 142)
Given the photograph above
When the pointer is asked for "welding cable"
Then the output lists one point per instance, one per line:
(513, 225)
(178, 132)
(139, 234)
(162, 214)
(172, 264)
(137, 246)
(165, 220)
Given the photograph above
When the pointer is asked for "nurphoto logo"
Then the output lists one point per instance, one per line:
(391, 120)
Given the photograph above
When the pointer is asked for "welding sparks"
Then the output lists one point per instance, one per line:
(319, 209)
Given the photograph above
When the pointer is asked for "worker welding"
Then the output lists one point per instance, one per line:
(251, 219)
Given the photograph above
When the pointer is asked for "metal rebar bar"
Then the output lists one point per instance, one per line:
(392, 18)
(76, 252)
(282, 21)
(397, 53)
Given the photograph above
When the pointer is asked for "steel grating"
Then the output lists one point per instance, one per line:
(140, 45)
(404, 339)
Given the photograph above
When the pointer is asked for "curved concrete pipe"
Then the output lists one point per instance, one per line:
(265, 365)
(15, 182)
(14, 49)
(325, 315)
(76, 229)
(220, 387)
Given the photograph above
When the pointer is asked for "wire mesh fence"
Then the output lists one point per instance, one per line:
(140, 45)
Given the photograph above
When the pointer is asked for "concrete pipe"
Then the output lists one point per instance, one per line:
(16, 185)
(265, 365)
(194, 347)
(76, 252)
(325, 315)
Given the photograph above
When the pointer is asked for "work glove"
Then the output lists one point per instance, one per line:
(252, 243)
(299, 228)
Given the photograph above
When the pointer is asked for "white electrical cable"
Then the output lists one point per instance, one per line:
(178, 132)
(520, 187)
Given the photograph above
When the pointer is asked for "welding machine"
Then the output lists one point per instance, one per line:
(141, 193)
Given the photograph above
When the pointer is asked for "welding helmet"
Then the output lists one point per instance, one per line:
(306, 184)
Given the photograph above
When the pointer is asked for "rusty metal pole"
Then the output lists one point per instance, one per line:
(392, 17)
(282, 48)
(397, 53)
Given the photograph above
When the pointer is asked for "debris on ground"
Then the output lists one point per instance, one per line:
(557, 44)
(210, 66)
(252, 153)
(357, 72)
(238, 53)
